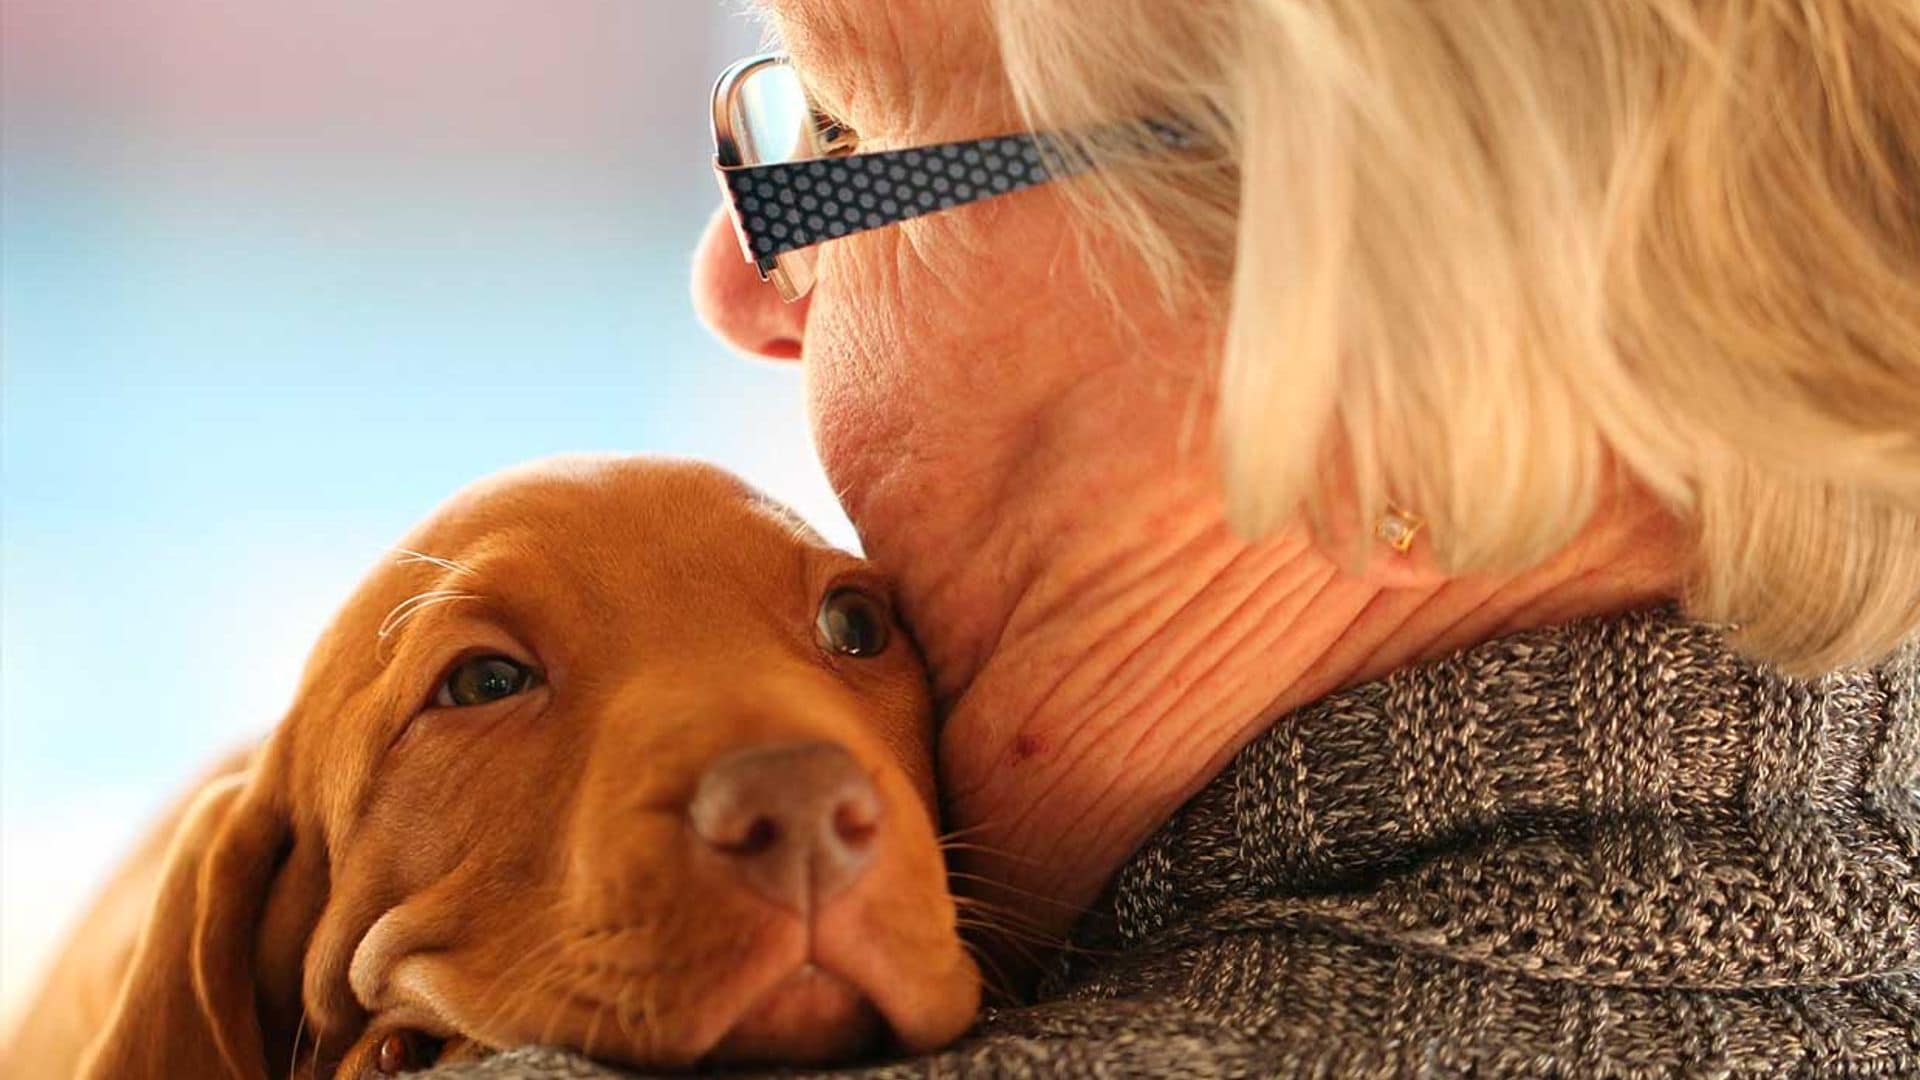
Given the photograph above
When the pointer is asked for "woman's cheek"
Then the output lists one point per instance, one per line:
(860, 399)
(932, 346)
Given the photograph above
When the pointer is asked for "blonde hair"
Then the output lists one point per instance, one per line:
(1473, 254)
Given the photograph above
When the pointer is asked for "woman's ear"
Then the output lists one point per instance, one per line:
(1385, 548)
(189, 1003)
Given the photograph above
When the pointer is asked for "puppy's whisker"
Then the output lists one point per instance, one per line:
(293, 1059)
(408, 556)
(523, 1001)
(551, 983)
(593, 1029)
(1022, 945)
(990, 970)
(552, 950)
(1026, 954)
(540, 987)
(1002, 921)
(1014, 936)
(976, 908)
(966, 830)
(957, 844)
(1013, 924)
(414, 605)
(1012, 933)
(1015, 890)
(313, 1059)
(983, 849)
(524, 958)
(407, 609)
(983, 905)
(620, 1014)
(557, 981)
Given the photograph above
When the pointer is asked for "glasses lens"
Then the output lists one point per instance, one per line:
(773, 123)
(775, 120)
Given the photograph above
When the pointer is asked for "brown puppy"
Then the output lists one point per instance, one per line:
(620, 757)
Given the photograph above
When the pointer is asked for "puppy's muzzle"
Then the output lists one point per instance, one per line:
(797, 822)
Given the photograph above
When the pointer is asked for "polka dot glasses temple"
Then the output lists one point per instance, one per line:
(792, 179)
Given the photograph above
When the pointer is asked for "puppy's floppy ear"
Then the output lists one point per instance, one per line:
(189, 1005)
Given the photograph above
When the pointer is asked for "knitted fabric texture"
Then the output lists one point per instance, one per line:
(1607, 849)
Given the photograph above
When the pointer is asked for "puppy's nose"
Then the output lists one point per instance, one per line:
(797, 821)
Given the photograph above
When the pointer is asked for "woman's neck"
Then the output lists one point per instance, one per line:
(1098, 670)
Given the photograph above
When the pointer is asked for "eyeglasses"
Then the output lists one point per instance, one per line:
(792, 177)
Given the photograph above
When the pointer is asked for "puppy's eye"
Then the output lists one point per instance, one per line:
(480, 679)
(405, 1051)
(852, 623)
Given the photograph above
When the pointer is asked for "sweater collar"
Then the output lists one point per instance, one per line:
(1618, 801)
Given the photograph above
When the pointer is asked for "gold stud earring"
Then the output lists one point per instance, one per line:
(1397, 528)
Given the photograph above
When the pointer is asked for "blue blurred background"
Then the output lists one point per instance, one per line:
(274, 279)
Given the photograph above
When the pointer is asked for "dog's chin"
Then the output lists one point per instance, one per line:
(811, 1017)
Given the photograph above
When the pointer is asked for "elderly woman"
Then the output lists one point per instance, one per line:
(1414, 511)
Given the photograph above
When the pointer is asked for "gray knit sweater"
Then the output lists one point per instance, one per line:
(1608, 849)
